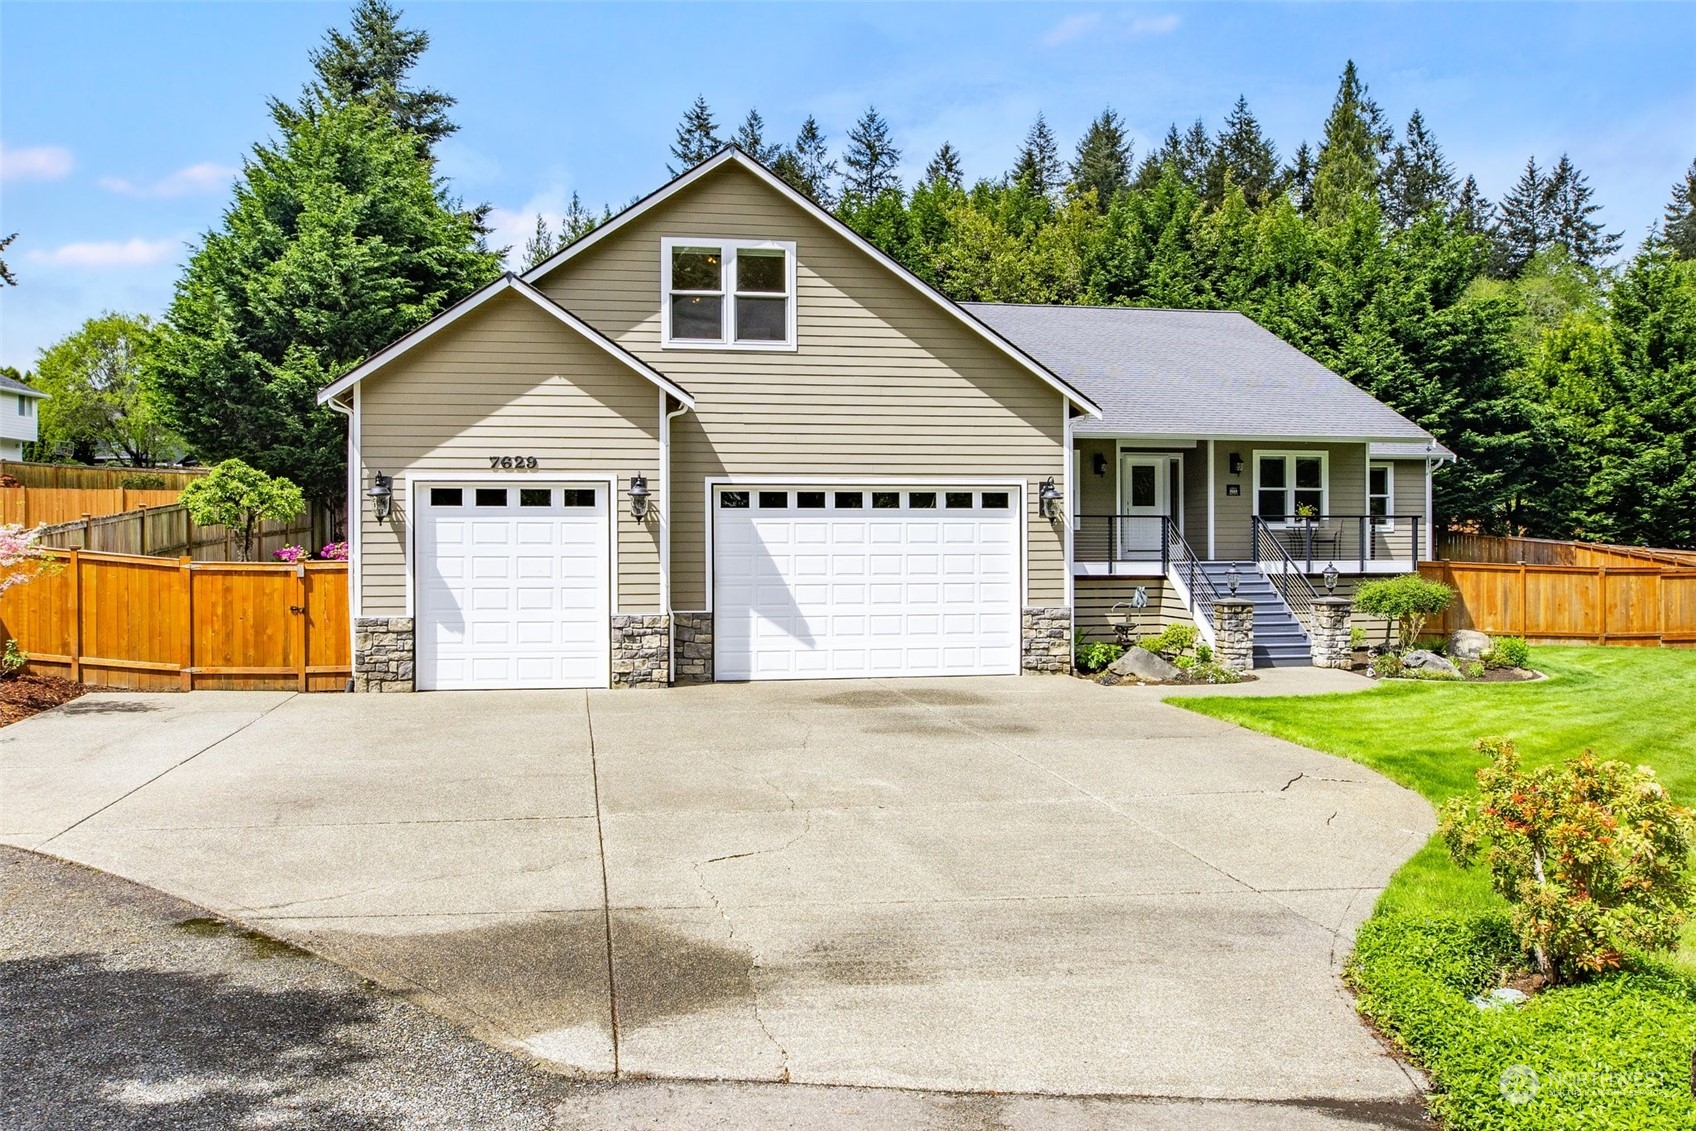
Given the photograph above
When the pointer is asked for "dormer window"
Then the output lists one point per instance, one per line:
(728, 294)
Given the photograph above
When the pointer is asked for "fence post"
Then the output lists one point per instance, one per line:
(76, 616)
(1602, 600)
(1524, 613)
(87, 529)
(185, 569)
(300, 634)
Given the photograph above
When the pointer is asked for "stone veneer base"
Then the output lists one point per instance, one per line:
(641, 650)
(692, 660)
(1046, 639)
(383, 654)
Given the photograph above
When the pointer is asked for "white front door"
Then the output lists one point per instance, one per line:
(1143, 501)
(819, 583)
(512, 585)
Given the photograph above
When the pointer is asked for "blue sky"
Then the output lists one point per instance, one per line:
(122, 124)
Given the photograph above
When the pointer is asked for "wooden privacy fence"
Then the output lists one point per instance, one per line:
(32, 506)
(1456, 547)
(1644, 603)
(74, 476)
(169, 531)
(154, 624)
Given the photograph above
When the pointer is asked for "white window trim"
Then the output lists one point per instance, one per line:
(26, 405)
(1389, 492)
(1290, 480)
(728, 249)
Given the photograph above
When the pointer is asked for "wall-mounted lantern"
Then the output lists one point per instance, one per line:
(1236, 460)
(639, 495)
(1330, 576)
(382, 495)
(1048, 499)
(1099, 462)
(1233, 578)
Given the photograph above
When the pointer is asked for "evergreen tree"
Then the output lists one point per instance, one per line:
(1038, 168)
(1186, 153)
(1349, 155)
(1103, 161)
(750, 138)
(807, 165)
(1680, 230)
(697, 137)
(1570, 209)
(578, 221)
(1473, 208)
(540, 245)
(1526, 225)
(1298, 178)
(945, 167)
(370, 64)
(1417, 177)
(7, 279)
(1242, 156)
(871, 158)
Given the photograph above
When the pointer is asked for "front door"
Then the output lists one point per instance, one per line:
(1143, 503)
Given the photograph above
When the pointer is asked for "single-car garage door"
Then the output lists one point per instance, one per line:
(813, 583)
(512, 586)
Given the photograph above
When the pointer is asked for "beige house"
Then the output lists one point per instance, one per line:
(723, 437)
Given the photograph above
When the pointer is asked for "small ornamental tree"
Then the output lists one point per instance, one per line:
(1407, 601)
(241, 497)
(1593, 856)
(21, 555)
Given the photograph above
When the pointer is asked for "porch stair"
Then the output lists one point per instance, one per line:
(1280, 641)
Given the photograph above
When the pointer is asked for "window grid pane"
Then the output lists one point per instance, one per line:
(447, 497)
(697, 269)
(761, 271)
(579, 497)
(774, 500)
(697, 317)
(535, 497)
(491, 496)
(761, 319)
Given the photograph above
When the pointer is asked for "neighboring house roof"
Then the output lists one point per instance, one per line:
(731, 154)
(12, 385)
(507, 282)
(1194, 374)
(1429, 450)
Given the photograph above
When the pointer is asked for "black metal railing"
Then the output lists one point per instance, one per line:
(1118, 540)
(1317, 540)
(1184, 565)
(1286, 577)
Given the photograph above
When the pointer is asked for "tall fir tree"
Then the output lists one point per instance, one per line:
(1473, 209)
(751, 139)
(1571, 208)
(1351, 151)
(1417, 177)
(541, 243)
(1038, 168)
(1103, 161)
(1679, 230)
(1297, 178)
(369, 63)
(945, 168)
(1525, 224)
(1187, 153)
(697, 137)
(807, 165)
(579, 221)
(1242, 156)
(871, 158)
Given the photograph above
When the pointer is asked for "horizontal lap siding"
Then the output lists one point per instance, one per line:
(1097, 596)
(884, 384)
(1233, 515)
(507, 379)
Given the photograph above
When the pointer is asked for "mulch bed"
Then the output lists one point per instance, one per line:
(25, 694)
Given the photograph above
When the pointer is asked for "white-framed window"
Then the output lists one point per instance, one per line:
(727, 294)
(1381, 492)
(1289, 484)
(26, 405)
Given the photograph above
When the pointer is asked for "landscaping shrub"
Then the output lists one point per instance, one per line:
(1592, 856)
(1472, 669)
(290, 554)
(334, 552)
(1204, 652)
(1407, 601)
(1172, 641)
(1386, 665)
(1434, 675)
(1357, 638)
(1094, 657)
(1509, 652)
(143, 482)
(12, 661)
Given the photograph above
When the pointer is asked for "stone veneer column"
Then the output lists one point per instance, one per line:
(1330, 631)
(382, 654)
(693, 661)
(1233, 626)
(641, 650)
(1046, 639)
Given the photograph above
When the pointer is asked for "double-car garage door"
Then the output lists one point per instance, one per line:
(513, 583)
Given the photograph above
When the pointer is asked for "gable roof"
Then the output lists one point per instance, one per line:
(732, 155)
(1194, 374)
(507, 282)
(13, 385)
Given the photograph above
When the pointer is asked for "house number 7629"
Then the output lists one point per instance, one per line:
(509, 463)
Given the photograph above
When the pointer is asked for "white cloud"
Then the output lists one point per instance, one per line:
(204, 177)
(1152, 25)
(35, 163)
(1070, 28)
(109, 253)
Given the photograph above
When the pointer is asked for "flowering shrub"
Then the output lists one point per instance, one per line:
(334, 552)
(290, 554)
(1593, 856)
(21, 555)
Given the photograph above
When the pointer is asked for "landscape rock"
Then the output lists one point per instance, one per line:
(1420, 659)
(1468, 644)
(1141, 664)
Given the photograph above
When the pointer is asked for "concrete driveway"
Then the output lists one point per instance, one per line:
(1012, 885)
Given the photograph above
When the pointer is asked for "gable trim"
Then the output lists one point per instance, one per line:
(507, 282)
(733, 155)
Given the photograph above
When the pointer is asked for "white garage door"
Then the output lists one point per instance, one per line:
(812, 584)
(512, 586)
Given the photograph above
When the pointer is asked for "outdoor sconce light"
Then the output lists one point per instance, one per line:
(1048, 498)
(1100, 465)
(382, 495)
(1236, 463)
(639, 494)
(1233, 578)
(1330, 576)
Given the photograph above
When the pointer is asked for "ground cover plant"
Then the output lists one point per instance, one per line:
(1612, 1050)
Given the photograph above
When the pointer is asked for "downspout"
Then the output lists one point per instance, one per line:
(665, 532)
(354, 517)
(1431, 465)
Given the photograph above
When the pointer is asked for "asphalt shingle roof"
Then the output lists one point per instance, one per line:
(1193, 373)
(12, 385)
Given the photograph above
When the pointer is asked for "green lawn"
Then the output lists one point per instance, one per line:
(1615, 1052)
